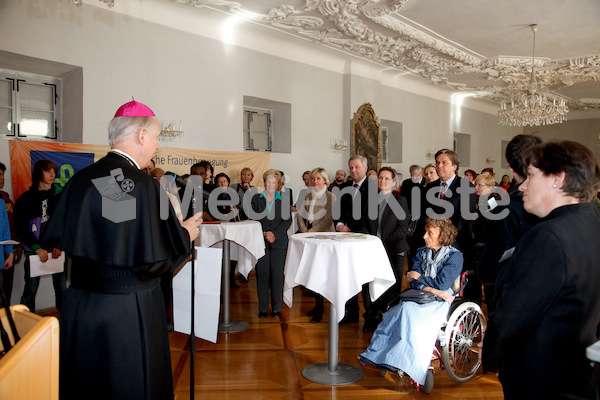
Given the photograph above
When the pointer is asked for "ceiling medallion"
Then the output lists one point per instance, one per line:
(110, 3)
(533, 108)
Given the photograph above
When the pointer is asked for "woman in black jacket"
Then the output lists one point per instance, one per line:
(275, 221)
(391, 226)
(548, 308)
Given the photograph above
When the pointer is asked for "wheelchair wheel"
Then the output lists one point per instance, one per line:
(428, 386)
(464, 329)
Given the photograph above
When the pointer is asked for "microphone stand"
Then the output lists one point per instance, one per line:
(192, 333)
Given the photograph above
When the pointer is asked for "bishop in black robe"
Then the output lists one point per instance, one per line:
(114, 342)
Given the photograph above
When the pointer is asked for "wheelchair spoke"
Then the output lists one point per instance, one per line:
(464, 330)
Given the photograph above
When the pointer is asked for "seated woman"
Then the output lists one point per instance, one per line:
(404, 340)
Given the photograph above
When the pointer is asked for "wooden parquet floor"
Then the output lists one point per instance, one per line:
(266, 360)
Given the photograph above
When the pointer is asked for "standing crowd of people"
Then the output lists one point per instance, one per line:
(529, 245)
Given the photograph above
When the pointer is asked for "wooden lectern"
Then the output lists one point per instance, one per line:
(30, 369)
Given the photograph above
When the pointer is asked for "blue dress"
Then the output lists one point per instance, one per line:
(405, 338)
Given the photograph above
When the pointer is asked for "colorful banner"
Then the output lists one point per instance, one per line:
(72, 157)
(180, 160)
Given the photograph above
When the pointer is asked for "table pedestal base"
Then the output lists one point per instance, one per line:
(344, 375)
(233, 326)
(332, 372)
(227, 325)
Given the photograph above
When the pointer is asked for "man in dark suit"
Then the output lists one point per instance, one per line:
(354, 194)
(416, 180)
(453, 197)
(287, 196)
(506, 232)
(413, 187)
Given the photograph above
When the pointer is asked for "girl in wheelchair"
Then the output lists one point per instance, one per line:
(405, 337)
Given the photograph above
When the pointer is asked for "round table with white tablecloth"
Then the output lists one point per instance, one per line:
(248, 237)
(336, 265)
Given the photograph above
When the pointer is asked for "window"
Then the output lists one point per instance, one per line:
(258, 133)
(391, 141)
(29, 105)
(462, 148)
(267, 125)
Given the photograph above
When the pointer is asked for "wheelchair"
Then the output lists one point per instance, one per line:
(456, 346)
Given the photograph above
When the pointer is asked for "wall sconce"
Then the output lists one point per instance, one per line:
(339, 145)
(430, 154)
(490, 160)
(170, 131)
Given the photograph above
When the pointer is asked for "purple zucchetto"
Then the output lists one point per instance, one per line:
(134, 109)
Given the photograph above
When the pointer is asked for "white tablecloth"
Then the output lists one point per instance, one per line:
(246, 234)
(336, 266)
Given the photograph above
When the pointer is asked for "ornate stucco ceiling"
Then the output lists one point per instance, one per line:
(479, 46)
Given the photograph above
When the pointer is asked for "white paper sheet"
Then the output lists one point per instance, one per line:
(52, 266)
(207, 301)
(13, 242)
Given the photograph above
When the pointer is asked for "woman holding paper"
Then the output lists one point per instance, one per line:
(32, 212)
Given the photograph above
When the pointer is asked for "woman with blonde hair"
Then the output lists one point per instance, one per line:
(315, 216)
(246, 176)
(268, 210)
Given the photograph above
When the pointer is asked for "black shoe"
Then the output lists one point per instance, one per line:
(262, 314)
(316, 318)
(370, 325)
(349, 319)
(275, 314)
(315, 311)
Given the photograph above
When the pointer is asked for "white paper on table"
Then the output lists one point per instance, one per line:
(207, 302)
(13, 242)
(52, 266)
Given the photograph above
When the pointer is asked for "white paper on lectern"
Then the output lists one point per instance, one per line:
(207, 301)
(52, 266)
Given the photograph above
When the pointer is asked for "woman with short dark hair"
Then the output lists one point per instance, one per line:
(548, 308)
(391, 226)
(404, 340)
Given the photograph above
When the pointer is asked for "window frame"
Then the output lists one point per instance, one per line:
(16, 79)
(249, 132)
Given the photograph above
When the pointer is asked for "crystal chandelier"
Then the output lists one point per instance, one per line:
(533, 108)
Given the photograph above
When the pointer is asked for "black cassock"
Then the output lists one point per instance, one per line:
(113, 339)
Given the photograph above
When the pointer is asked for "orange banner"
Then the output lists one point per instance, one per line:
(72, 157)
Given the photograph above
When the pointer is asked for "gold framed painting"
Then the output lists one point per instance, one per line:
(365, 136)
